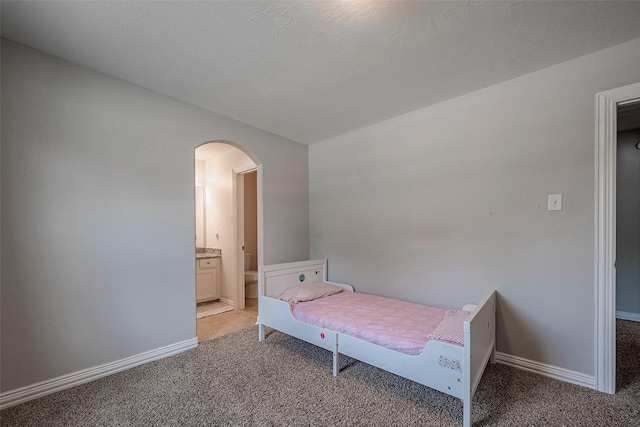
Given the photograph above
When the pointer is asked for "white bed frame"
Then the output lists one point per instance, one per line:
(444, 367)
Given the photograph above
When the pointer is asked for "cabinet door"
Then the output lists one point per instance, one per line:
(215, 287)
(208, 280)
(204, 285)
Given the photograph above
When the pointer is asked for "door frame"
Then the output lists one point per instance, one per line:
(238, 228)
(605, 232)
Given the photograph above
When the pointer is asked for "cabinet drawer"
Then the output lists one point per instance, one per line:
(206, 263)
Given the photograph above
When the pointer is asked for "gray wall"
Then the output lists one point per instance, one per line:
(628, 223)
(442, 204)
(98, 214)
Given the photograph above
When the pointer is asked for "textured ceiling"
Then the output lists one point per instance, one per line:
(311, 70)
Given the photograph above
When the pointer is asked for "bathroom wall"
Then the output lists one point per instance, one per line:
(200, 183)
(628, 226)
(201, 177)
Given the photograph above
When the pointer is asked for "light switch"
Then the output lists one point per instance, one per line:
(554, 202)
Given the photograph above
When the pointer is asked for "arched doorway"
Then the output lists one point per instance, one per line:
(220, 168)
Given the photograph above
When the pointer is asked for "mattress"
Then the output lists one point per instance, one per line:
(394, 324)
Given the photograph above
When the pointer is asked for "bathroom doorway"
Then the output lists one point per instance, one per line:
(220, 167)
(247, 234)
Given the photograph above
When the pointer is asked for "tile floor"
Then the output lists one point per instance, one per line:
(221, 324)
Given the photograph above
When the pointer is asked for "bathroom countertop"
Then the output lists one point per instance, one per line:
(208, 253)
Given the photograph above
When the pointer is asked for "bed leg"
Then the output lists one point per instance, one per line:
(336, 360)
(466, 413)
(261, 331)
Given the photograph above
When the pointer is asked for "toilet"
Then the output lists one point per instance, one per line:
(250, 278)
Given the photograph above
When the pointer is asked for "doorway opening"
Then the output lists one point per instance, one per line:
(605, 232)
(219, 167)
(627, 244)
(628, 212)
(246, 233)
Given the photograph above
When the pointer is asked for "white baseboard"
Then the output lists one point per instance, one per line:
(555, 372)
(30, 392)
(227, 301)
(624, 315)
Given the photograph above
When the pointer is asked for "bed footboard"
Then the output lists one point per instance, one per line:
(479, 348)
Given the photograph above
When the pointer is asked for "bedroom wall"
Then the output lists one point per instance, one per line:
(440, 205)
(98, 215)
(628, 226)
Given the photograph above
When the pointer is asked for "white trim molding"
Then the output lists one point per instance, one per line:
(226, 301)
(30, 392)
(550, 371)
(605, 233)
(625, 315)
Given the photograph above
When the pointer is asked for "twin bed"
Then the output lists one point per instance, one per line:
(446, 350)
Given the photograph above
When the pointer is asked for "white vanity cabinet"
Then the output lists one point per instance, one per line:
(207, 279)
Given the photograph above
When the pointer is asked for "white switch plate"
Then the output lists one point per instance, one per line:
(554, 202)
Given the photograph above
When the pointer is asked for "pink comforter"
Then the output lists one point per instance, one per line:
(394, 324)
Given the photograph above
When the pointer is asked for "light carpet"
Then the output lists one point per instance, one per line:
(211, 308)
(235, 380)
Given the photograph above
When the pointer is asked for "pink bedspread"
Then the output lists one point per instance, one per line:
(394, 324)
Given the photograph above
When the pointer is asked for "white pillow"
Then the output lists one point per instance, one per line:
(308, 292)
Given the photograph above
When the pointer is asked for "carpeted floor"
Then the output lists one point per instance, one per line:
(236, 381)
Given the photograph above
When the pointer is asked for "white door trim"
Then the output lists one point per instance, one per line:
(605, 233)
